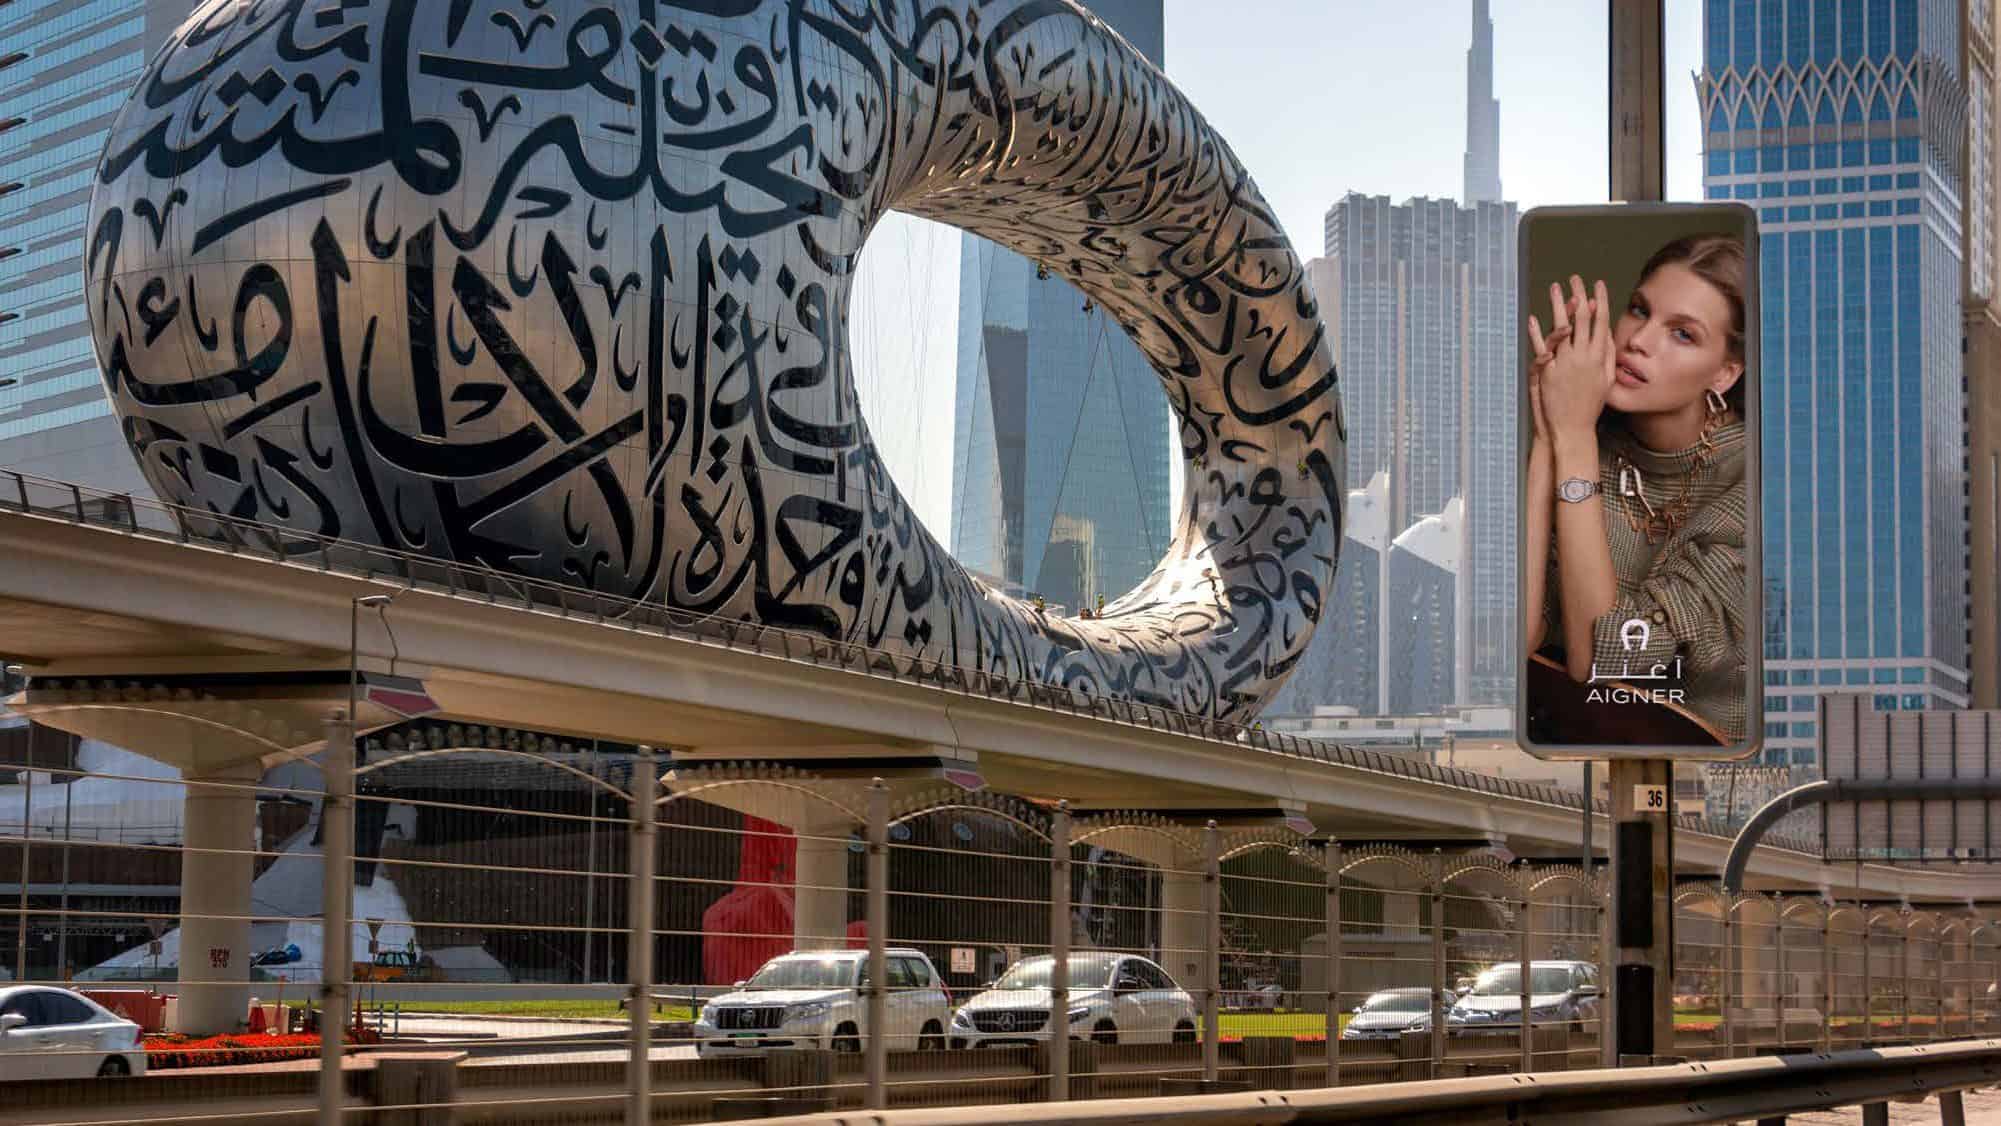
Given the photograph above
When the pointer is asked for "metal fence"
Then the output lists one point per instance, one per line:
(544, 934)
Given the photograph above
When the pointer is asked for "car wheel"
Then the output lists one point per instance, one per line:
(1576, 1030)
(1105, 1033)
(932, 1039)
(114, 1067)
(1184, 1033)
(847, 1038)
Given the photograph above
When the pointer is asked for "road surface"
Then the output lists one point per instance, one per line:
(1983, 1108)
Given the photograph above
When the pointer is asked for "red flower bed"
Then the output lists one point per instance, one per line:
(219, 1051)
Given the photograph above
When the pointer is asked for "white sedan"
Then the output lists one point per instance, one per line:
(56, 1034)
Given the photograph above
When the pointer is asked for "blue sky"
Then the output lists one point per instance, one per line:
(1318, 98)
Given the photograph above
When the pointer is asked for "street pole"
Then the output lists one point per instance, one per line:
(1642, 909)
(639, 938)
(591, 866)
(337, 878)
(1059, 953)
(27, 835)
(876, 1064)
(1642, 900)
(1212, 951)
(62, 919)
(1333, 963)
(337, 765)
(1588, 861)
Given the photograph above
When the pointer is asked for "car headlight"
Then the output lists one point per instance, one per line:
(961, 1020)
(1079, 1012)
(812, 1010)
(707, 1015)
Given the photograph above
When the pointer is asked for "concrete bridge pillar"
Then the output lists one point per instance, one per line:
(820, 885)
(1183, 923)
(220, 822)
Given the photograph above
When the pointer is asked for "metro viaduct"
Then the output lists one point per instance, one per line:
(256, 652)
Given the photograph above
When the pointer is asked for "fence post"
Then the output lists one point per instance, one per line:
(1607, 1044)
(1527, 1004)
(1059, 953)
(1779, 977)
(1938, 996)
(1905, 1001)
(1212, 954)
(1437, 962)
(877, 1064)
(337, 878)
(1827, 992)
(1725, 990)
(639, 940)
(1996, 981)
(1868, 985)
(1333, 858)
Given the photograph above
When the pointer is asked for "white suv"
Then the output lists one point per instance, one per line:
(814, 1000)
(1114, 999)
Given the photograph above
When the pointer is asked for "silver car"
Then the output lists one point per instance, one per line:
(48, 1033)
(1388, 1014)
(1559, 993)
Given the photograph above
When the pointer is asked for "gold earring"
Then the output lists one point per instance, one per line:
(1717, 403)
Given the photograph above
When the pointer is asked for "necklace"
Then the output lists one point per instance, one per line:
(1658, 524)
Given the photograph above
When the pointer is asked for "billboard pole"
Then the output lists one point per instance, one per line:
(1642, 789)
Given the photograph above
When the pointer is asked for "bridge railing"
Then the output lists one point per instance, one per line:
(154, 519)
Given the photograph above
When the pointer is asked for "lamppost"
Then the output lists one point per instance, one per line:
(27, 831)
(377, 602)
(337, 860)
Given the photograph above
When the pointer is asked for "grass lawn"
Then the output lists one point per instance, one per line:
(1276, 1024)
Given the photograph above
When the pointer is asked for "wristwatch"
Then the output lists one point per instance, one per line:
(1577, 490)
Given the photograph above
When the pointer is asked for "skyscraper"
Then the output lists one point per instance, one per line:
(67, 70)
(1426, 346)
(1844, 124)
(1420, 304)
(1060, 460)
(1483, 114)
(1982, 325)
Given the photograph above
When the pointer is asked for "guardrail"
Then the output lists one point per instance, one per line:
(153, 519)
(1766, 1089)
(1122, 1086)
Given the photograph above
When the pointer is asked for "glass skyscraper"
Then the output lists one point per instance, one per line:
(1420, 305)
(1423, 318)
(1844, 124)
(68, 67)
(1060, 460)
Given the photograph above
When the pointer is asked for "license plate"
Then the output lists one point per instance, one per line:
(746, 1035)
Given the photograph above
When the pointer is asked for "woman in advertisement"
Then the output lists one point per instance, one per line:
(1636, 500)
